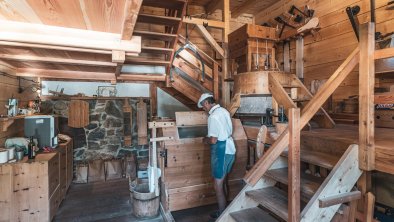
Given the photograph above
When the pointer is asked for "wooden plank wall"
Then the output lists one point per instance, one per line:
(326, 50)
(9, 88)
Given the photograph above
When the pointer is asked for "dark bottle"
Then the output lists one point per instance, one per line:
(31, 149)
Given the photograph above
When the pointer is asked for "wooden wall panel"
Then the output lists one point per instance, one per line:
(325, 51)
(8, 88)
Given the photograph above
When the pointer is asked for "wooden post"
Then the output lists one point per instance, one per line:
(286, 56)
(294, 165)
(226, 31)
(366, 97)
(300, 58)
(216, 81)
(153, 99)
(369, 206)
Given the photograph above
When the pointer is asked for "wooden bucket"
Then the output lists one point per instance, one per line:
(145, 204)
(350, 105)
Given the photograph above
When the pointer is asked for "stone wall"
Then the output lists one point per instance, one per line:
(103, 137)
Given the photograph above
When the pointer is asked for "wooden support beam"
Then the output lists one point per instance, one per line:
(369, 206)
(213, 5)
(153, 99)
(294, 163)
(132, 8)
(216, 81)
(198, 21)
(63, 74)
(384, 53)
(339, 199)
(300, 57)
(286, 56)
(225, 60)
(30, 58)
(142, 77)
(366, 97)
(118, 56)
(211, 41)
(69, 37)
(279, 93)
(246, 5)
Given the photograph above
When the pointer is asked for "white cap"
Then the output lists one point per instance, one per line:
(202, 98)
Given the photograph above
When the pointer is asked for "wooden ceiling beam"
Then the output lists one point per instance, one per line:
(142, 77)
(64, 74)
(245, 6)
(213, 5)
(29, 58)
(69, 37)
(132, 8)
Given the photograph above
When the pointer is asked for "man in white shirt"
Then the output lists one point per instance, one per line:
(222, 145)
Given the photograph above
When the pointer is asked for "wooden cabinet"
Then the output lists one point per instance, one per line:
(33, 190)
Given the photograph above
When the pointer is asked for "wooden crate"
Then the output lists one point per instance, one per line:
(187, 180)
(249, 46)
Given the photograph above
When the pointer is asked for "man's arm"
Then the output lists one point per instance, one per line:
(210, 140)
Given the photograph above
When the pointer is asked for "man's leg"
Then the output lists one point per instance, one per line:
(220, 195)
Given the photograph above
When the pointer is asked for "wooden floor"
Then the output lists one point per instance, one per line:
(106, 201)
(196, 214)
(342, 136)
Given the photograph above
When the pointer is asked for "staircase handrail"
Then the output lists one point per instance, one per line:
(264, 163)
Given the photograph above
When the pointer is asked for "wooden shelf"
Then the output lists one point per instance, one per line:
(6, 122)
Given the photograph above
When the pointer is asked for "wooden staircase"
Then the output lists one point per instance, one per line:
(163, 19)
(159, 48)
(266, 181)
(268, 200)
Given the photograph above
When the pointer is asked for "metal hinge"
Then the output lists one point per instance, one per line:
(164, 155)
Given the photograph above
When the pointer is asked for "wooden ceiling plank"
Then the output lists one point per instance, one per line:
(85, 15)
(19, 10)
(7, 68)
(213, 5)
(204, 32)
(29, 58)
(59, 13)
(62, 74)
(132, 8)
(105, 16)
(244, 7)
(44, 34)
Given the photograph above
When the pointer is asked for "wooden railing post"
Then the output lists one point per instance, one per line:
(294, 165)
(366, 97)
(215, 81)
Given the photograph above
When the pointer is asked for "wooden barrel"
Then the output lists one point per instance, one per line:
(350, 105)
(145, 204)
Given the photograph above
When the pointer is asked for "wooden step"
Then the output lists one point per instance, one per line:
(317, 158)
(252, 214)
(155, 35)
(158, 20)
(156, 50)
(309, 183)
(271, 198)
(301, 100)
(167, 4)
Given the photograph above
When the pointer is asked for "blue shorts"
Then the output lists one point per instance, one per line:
(221, 162)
